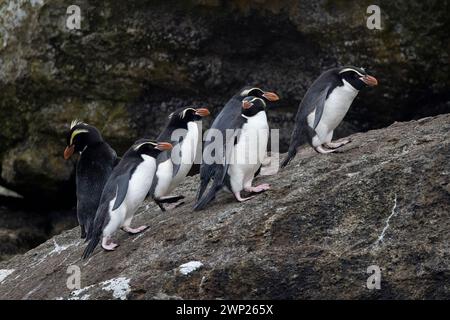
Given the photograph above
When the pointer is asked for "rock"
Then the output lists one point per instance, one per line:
(383, 201)
(132, 63)
(21, 230)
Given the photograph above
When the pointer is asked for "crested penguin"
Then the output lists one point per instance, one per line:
(184, 130)
(95, 164)
(244, 151)
(324, 106)
(124, 192)
(231, 112)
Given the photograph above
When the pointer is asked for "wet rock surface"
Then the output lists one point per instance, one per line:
(385, 201)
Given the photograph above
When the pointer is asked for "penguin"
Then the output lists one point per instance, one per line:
(185, 126)
(244, 152)
(124, 192)
(94, 166)
(324, 106)
(231, 112)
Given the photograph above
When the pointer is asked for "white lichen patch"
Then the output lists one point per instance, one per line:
(4, 273)
(60, 248)
(120, 287)
(57, 249)
(78, 294)
(189, 267)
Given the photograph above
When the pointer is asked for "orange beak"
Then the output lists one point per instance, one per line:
(68, 152)
(202, 112)
(163, 146)
(246, 104)
(370, 81)
(271, 96)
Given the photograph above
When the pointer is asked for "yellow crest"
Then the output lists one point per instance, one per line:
(75, 133)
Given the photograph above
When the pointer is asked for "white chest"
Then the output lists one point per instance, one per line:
(335, 108)
(253, 138)
(140, 183)
(250, 150)
(164, 174)
(188, 151)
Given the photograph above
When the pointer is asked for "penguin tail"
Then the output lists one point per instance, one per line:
(94, 233)
(93, 242)
(201, 203)
(207, 171)
(291, 154)
(293, 144)
(202, 188)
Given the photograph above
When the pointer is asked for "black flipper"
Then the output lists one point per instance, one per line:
(319, 105)
(122, 188)
(121, 181)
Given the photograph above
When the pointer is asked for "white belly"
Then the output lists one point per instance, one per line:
(249, 152)
(164, 174)
(139, 185)
(138, 188)
(335, 109)
(189, 149)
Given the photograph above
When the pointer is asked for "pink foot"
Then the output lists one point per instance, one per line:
(108, 245)
(335, 145)
(172, 206)
(240, 199)
(260, 188)
(134, 230)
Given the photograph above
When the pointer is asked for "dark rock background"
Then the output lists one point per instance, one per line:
(384, 201)
(133, 62)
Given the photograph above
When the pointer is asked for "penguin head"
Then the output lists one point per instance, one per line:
(258, 93)
(150, 148)
(357, 77)
(252, 105)
(79, 137)
(180, 117)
